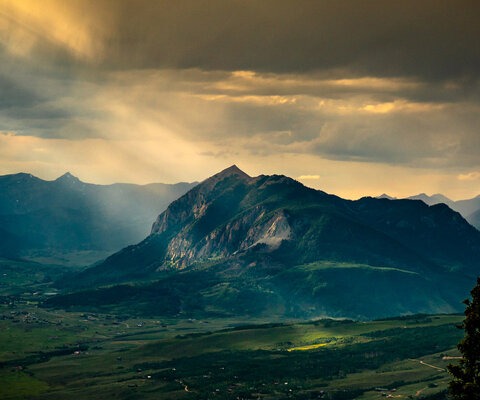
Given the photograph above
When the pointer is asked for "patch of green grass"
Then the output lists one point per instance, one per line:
(19, 276)
(16, 384)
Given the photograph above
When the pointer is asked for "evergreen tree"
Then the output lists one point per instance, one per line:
(465, 384)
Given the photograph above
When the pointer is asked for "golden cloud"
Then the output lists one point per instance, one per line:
(470, 176)
(26, 24)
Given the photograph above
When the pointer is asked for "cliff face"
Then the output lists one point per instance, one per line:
(195, 223)
(198, 202)
(225, 215)
(251, 229)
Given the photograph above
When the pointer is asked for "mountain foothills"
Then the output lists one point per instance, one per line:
(269, 246)
(66, 215)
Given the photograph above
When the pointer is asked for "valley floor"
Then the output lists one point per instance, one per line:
(48, 354)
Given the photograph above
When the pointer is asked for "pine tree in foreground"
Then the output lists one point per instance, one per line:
(465, 384)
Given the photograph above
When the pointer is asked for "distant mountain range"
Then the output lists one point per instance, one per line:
(268, 245)
(470, 208)
(68, 215)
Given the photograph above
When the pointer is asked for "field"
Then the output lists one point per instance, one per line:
(58, 354)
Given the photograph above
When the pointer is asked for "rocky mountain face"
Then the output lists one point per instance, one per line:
(67, 214)
(268, 244)
(228, 214)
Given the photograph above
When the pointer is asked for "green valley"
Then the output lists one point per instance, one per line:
(54, 354)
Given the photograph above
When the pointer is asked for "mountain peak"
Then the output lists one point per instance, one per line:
(386, 196)
(442, 198)
(19, 178)
(232, 171)
(431, 200)
(67, 178)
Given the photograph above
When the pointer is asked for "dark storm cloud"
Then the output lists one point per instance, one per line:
(427, 39)
(14, 95)
(33, 103)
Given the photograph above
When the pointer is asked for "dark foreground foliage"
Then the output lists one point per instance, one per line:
(466, 375)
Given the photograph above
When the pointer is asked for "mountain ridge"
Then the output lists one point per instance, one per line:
(67, 214)
(287, 247)
(467, 207)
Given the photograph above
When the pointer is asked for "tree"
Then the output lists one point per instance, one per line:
(465, 384)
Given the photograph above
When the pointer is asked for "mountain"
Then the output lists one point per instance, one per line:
(474, 219)
(465, 207)
(433, 199)
(10, 245)
(269, 245)
(68, 215)
(386, 196)
(471, 209)
(468, 206)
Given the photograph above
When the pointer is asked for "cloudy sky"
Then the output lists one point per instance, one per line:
(352, 97)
